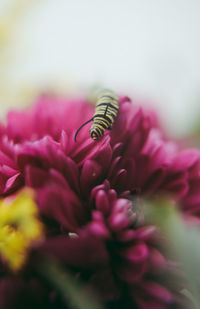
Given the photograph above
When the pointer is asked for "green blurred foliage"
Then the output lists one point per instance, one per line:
(70, 288)
(183, 241)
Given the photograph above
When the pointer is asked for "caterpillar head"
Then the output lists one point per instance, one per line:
(95, 133)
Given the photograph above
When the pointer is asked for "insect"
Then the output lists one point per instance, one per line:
(107, 106)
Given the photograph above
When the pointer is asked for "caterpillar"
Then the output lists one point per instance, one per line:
(107, 106)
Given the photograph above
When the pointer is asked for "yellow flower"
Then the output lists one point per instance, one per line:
(19, 227)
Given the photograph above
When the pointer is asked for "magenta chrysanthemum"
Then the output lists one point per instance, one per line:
(88, 194)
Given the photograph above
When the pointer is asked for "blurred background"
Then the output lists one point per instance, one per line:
(146, 49)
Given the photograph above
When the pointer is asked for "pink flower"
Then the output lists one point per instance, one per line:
(89, 192)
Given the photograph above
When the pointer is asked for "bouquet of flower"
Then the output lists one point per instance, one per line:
(75, 229)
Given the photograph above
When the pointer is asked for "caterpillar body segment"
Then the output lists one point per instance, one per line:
(107, 106)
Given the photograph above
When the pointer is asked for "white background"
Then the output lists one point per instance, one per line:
(149, 49)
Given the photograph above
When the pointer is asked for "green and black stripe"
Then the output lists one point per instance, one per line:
(107, 107)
